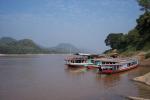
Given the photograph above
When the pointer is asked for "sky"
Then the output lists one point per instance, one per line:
(83, 23)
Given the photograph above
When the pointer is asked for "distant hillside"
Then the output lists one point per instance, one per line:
(65, 48)
(26, 46)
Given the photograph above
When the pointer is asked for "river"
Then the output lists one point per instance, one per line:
(45, 77)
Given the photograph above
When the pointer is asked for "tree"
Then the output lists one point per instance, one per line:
(133, 36)
(145, 5)
(136, 39)
(115, 40)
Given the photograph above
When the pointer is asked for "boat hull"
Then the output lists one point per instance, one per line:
(117, 71)
(76, 65)
(92, 67)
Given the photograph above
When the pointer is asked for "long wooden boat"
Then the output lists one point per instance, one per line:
(113, 65)
(106, 65)
(81, 60)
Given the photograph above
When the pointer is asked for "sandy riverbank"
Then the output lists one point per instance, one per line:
(145, 62)
(144, 79)
(136, 98)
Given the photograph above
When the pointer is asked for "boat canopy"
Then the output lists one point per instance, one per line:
(91, 55)
(83, 54)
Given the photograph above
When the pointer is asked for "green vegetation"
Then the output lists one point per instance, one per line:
(138, 39)
(26, 46)
(145, 5)
(65, 48)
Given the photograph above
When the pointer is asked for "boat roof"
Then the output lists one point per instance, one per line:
(82, 54)
(117, 60)
(107, 59)
(88, 54)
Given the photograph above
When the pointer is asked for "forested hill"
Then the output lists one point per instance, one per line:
(65, 48)
(137, 39)
(26, 46)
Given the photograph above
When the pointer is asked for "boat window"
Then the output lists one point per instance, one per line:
(92, 61)
(79, 61)
(97, 62)
(90, 57)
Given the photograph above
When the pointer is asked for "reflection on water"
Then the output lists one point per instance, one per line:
(46, 77)
(108, 80)
(76, 70)
(121, 83)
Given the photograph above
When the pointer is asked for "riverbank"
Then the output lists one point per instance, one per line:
(3, 55)
(136, 98)
(143, 79)
(146, 77)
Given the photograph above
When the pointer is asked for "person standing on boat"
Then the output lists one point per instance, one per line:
(100, 69)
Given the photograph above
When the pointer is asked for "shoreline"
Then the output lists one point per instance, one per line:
(3, 55)
(143, 79)
(146, 77)
(136, 98)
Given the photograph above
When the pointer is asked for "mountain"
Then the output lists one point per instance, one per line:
(9, 45)
(65, 48)
(26, 46)
(7, 40)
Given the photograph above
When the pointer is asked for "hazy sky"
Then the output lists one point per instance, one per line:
(83, 23)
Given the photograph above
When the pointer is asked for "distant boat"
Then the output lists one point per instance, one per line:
(115, 65)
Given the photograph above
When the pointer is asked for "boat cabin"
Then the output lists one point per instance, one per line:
(121, 65)
(82, 58)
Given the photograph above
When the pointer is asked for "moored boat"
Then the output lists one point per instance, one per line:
(81, 60)
(115, 65)
(106, 65)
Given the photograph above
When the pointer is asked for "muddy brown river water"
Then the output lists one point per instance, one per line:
(45, 77)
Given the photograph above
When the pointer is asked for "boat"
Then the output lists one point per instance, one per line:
(105, 64)
(115, 65)
(81, 60)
